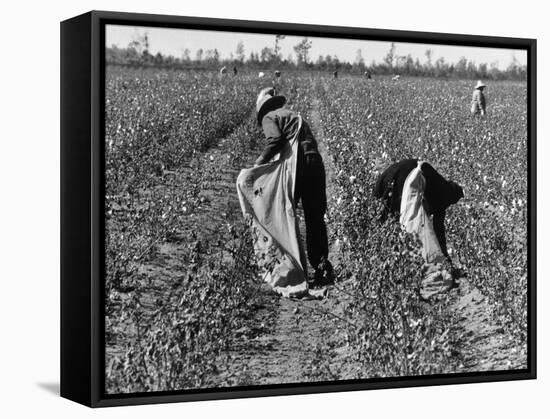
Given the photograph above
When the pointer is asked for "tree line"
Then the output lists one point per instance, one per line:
(137, 53)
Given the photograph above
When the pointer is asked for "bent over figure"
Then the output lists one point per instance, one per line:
(436, 192)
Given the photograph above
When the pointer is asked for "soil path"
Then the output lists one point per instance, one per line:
(291, 340)
(481, 342)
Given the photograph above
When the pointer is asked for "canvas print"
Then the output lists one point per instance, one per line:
(283, 209)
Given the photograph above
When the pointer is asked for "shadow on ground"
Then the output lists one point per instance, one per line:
(52, 388)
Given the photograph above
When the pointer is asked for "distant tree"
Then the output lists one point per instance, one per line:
(158, 59)
(336, 64)
(277, 49)
(494, 72)
(390, 57)
(417, 66)
(239, 52)
(198, 56)
(140, 43)
(428, 54)
(408, 65)
(185, 56)
(461, 67)
(302, 51)
(320, 63)
(441, 68)
(471, 70)
(328, 62)
(359, 60)
(515, 69)
(254, 58)
(266, 55)
(400, 61)
(482, 70)
(212, 56)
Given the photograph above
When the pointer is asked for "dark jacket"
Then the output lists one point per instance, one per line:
(280, 125)
(438, 196)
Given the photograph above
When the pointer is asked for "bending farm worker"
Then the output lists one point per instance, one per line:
(428, 193)
(280, 125)
(478, 99)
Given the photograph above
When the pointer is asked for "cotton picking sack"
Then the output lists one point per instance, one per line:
(266, 195)
(414, 217)
(416, 220)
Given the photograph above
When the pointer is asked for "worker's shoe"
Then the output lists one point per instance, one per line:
(323, 275)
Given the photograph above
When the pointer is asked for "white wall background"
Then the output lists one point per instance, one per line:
(29, 213)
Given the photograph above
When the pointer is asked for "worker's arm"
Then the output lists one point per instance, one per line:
(275, 139)
(439, 227)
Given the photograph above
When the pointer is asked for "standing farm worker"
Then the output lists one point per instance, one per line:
(421, 196)
(291, 150)
(478, 99)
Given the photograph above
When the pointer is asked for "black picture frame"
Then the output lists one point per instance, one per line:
(82, 203)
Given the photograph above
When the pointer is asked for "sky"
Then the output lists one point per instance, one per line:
(174, 41)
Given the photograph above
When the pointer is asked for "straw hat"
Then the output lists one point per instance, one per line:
(268, 101)
(480, 84)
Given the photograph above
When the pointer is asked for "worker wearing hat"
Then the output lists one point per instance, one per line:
(280, 124)
(478, 99)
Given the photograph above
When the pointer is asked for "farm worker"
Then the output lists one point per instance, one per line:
(279, 126)
(261, 74)
(478, 99)
(223, 70)
(277, 73)
(235, 71)
(368, 75)
(335, 74)
(433, 193)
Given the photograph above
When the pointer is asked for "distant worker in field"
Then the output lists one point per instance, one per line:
(368, 75)
(223, 70)
(277, 74)
(478, 99)
(420, 195)
(415, 190)
(290, 169)
(335, 74)
(235, 71)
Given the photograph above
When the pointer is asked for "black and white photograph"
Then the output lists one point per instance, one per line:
(284, 209)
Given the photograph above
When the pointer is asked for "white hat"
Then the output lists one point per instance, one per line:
(261, 74)
(480, 84)
(267, 100)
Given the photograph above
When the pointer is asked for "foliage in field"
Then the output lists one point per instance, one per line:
(172, 330)
(428, 119)
(158, 131)
(155, 125)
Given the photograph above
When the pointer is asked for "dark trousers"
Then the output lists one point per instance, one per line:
(311, 190)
